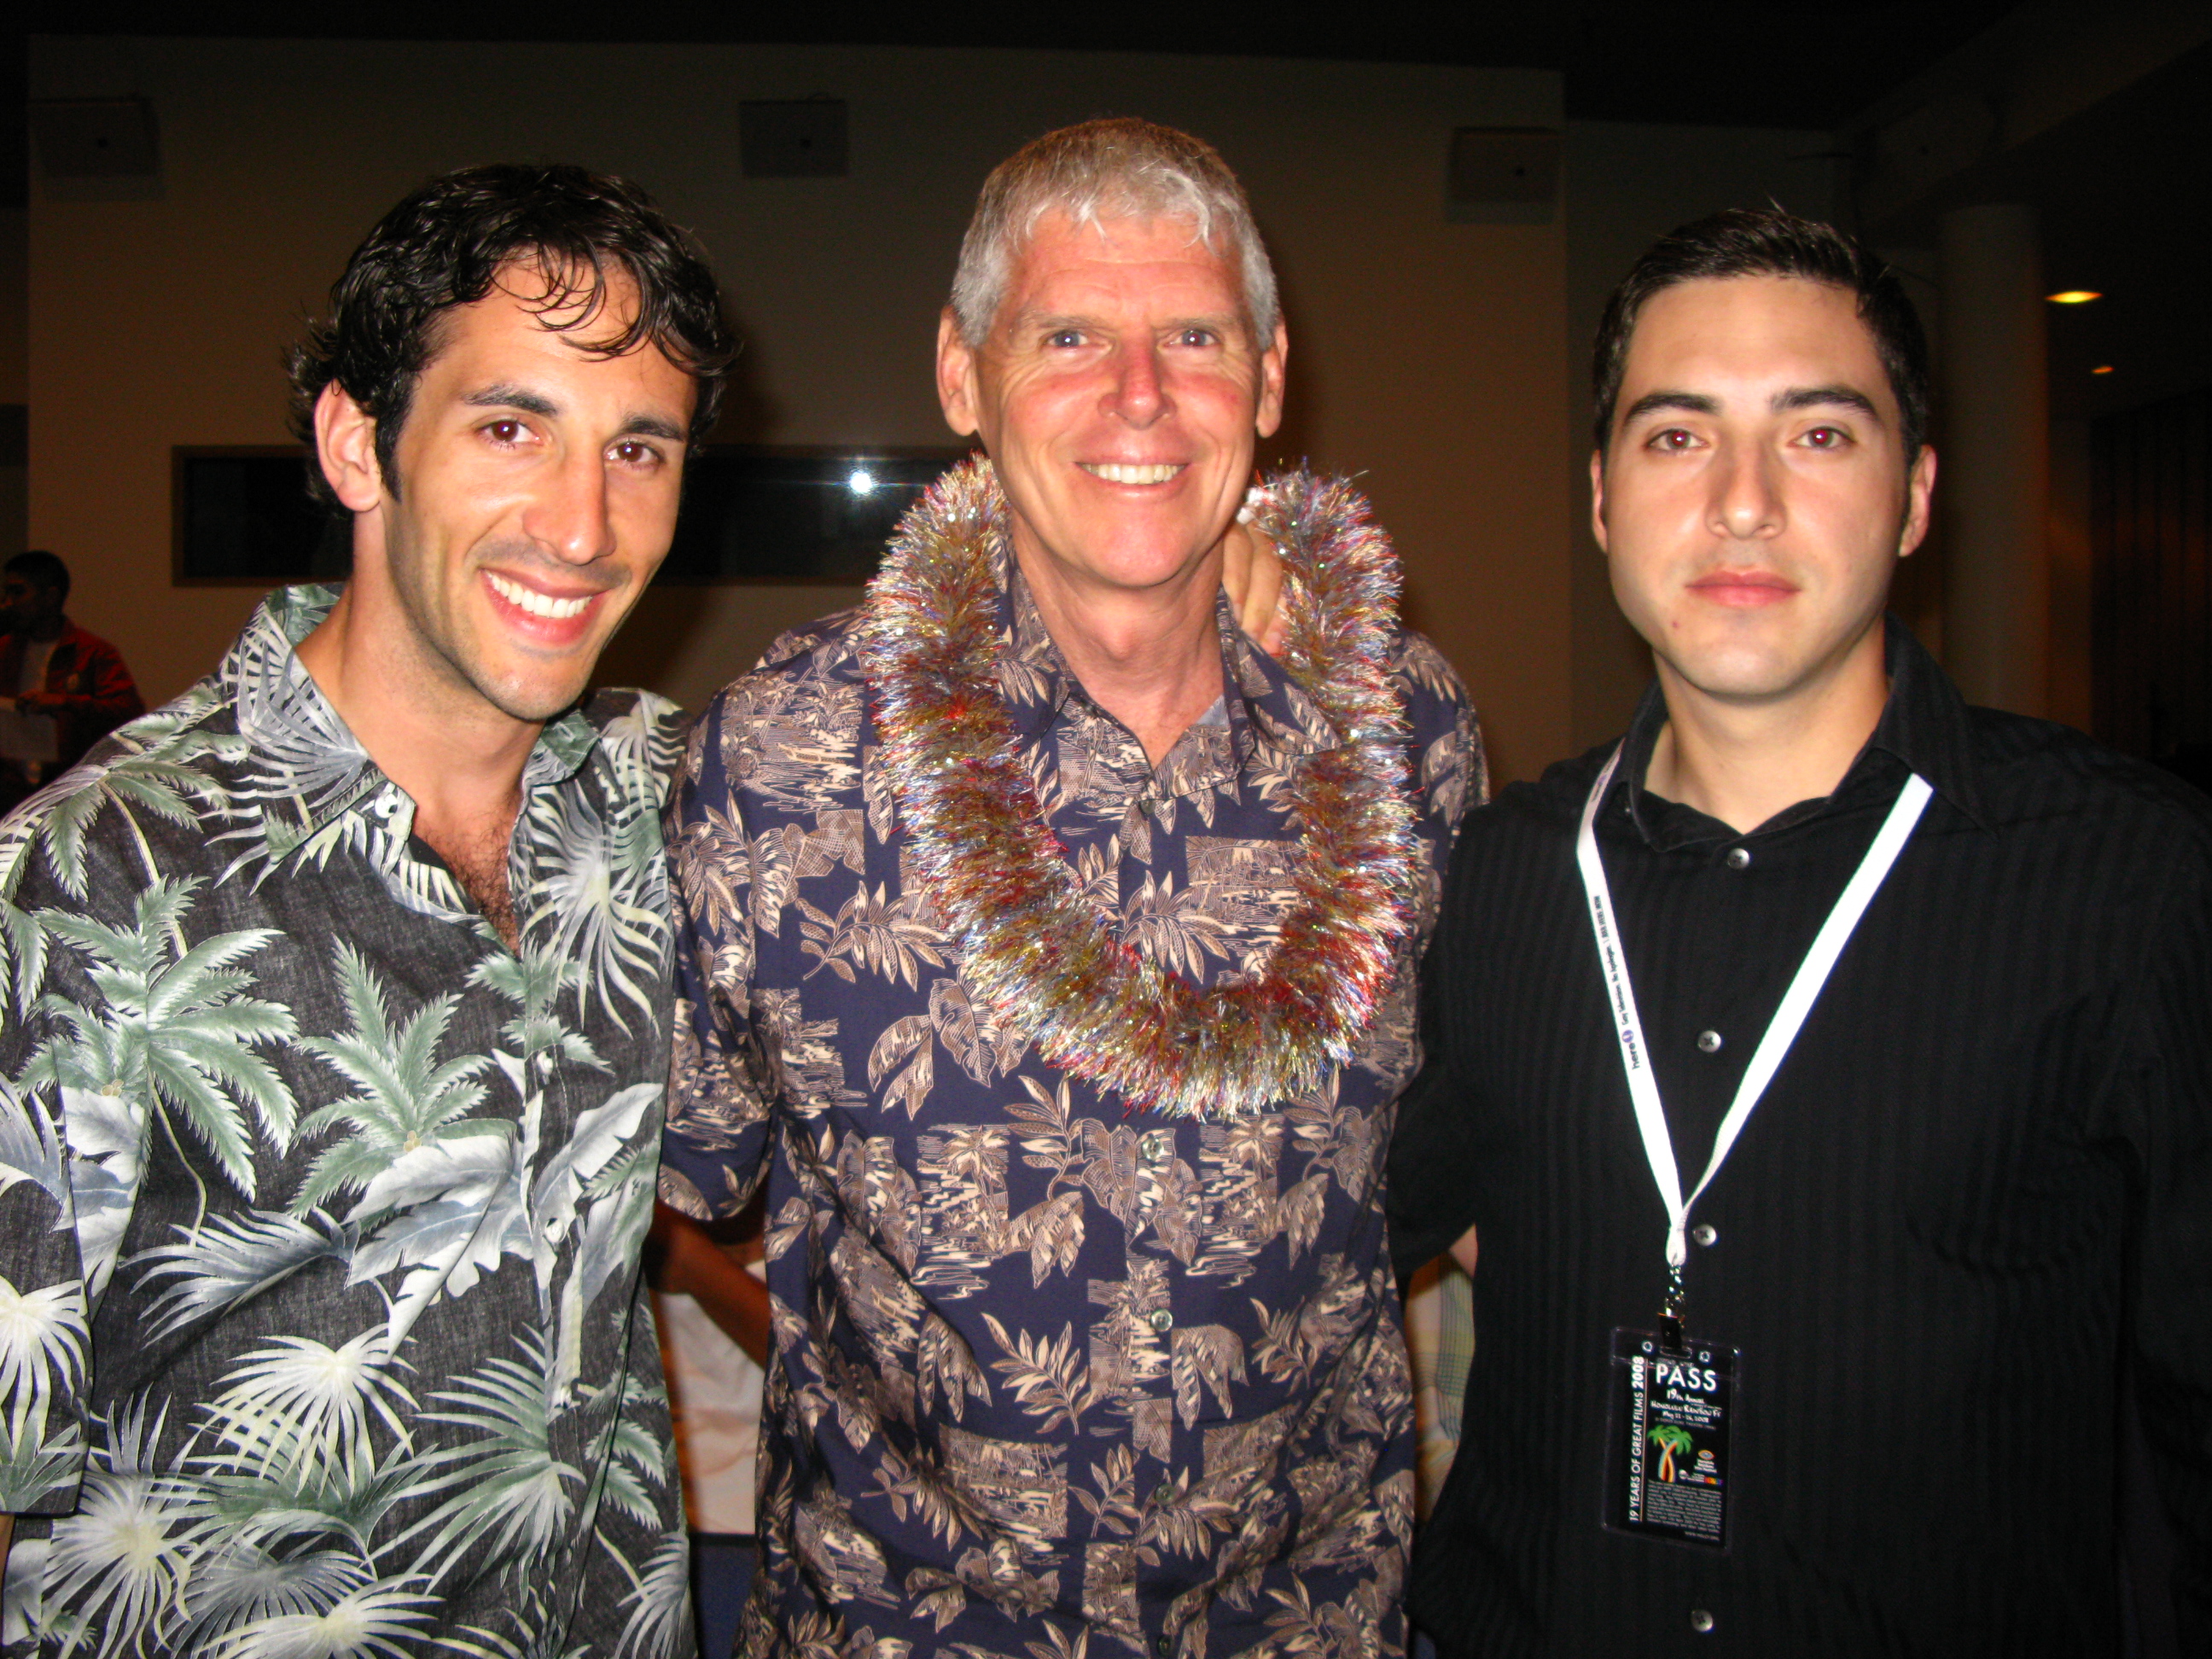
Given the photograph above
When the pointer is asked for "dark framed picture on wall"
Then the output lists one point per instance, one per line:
(242, 517)
(751, 513)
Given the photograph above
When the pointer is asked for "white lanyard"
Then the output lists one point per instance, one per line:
(1781, 1031)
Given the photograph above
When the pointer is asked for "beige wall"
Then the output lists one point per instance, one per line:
(14, 373)
(14, 251)
(1430, 355)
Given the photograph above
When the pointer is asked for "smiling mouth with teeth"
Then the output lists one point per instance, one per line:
(1129, 472)
(537, 603)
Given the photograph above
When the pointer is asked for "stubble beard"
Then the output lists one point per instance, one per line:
(440, 647)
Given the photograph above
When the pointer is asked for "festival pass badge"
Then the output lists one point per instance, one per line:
(1667, 1459)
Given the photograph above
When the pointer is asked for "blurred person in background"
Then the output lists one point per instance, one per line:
(68, 686)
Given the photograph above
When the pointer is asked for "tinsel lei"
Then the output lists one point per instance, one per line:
(1042, 957)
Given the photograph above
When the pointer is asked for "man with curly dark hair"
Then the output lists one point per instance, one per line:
(336, 992)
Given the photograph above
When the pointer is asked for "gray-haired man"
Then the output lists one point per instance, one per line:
(1047, 949)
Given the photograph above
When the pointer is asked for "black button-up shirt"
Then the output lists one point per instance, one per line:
(1977, 1192)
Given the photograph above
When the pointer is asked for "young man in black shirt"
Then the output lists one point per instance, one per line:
(1825, 1069)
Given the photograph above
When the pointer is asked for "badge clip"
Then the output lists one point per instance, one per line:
(1671, 1337)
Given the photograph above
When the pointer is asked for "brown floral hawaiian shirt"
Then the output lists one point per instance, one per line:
(1053, 1377)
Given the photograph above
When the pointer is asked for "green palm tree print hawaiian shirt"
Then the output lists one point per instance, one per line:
(319, 1208)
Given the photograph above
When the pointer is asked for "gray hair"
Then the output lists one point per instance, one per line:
(1118, 168)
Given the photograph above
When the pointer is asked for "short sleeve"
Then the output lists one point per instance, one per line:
(720, 1086)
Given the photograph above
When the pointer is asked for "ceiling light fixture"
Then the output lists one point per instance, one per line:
(2102, 369)
(2073, 296)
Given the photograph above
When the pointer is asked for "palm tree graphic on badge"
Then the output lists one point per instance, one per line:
(1672, 1442)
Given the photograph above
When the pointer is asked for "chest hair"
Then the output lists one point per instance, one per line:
(478, 862)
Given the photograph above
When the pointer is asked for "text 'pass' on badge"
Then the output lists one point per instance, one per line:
(1667, 1441)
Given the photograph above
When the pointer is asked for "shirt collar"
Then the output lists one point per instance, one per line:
(320, 769)
(1925, 723)
(1923, 729)
(1265, 705)
(74, 638)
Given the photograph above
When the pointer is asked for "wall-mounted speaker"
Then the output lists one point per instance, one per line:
(1503, 176)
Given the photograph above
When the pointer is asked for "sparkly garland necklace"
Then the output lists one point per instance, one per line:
(1038, 952)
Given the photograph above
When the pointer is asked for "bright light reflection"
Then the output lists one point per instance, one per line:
(2105, 368)
(2073, 296)
(860, 481)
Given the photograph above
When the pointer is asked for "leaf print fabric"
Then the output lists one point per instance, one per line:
(320, 1209)
(1052, 1377)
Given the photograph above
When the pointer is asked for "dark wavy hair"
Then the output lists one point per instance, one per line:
(1768, 242)
(447, 243)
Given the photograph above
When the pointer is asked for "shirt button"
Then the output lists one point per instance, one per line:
(1162, 1646)
(1164, 1493)
(1705, 1234)
(1162, 1319)
(1708, 1042)
(1739, 858)
(1701, 1621)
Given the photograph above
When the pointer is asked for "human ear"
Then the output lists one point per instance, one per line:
(1919, 494)
(346, 447)
(1269, 415)
(1597, 499)
(957, 393)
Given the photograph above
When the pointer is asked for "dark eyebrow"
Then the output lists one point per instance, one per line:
(1816, 396)
(1689, 403)
(503, 396)
(1808, 396)
(651, 426)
